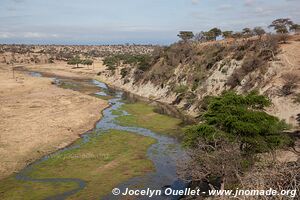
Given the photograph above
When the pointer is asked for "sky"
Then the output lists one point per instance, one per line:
(131, 21)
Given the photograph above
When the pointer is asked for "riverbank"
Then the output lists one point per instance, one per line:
(37, 118)
(108, 156)
(62, 69)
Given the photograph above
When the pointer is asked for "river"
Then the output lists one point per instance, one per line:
(165, 159)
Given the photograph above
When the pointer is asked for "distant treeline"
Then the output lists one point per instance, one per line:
(281, 26)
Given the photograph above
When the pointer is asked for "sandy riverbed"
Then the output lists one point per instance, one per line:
(37, 118)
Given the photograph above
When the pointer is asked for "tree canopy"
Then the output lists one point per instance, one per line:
(295, 27)
(186, 35)
(87, 62)
(259, 31)
(75, 61)
(227, 34)
(281, 25)
(234, 116)
(247, 32)
(213, 33)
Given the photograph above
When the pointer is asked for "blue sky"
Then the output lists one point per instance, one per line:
(132, 21)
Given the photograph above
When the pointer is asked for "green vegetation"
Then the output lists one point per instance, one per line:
(259, 31)
(87, 62)
(142, 62)
(237, 116)
(70, 85)
(143, 115)
(295, 28)
(282, 25)
(104, 162)
(116, 112)
(179, 89)
(76, 60)
(10, 189)
(185, 35)
(124, 72)
(227, 34)
(234, 129)
(212, 34)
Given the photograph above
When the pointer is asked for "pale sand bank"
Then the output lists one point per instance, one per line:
(37, 118)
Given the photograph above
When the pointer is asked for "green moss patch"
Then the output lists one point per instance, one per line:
(143, 115)
(104, 162)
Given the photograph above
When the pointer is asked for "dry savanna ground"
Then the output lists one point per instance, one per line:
(37, 118)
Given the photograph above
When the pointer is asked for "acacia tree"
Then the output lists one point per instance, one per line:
(87, 62)
(282, 25)
(227, 34)
(214, 33)
(75, 61)
(247, 32)
(234, 129)
(186, 35)
(295, 28)
(259, 31)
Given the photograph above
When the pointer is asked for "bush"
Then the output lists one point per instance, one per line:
(283, 38)
(255, 55)
(124, 72)
(235, 79)
(297, 98)
(179, 89)
(51, 60)
(290, 83)
(111, 62)
(251, 63)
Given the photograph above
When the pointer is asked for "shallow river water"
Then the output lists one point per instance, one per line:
(164, 154)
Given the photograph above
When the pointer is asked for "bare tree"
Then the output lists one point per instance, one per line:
(278, 176)
(218, 159)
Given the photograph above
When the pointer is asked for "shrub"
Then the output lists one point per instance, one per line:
(111, 62)
(283, 38)
(74, 61)
(297, 98)
(251, 62)
(179, 89)
(235, 79)
(255, 55)
(51, 60)
(290, 83)
(124, 72)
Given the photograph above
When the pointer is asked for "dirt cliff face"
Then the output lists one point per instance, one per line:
(183, 74)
